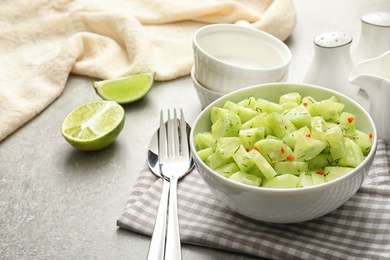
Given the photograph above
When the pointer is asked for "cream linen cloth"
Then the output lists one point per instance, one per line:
(43, 41)
(360, 229)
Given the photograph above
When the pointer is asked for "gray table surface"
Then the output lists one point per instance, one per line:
(60, 203)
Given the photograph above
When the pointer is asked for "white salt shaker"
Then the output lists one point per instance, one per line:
(374, 37)
(332, 63)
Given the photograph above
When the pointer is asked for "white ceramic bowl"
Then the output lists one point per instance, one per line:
(205, 95)
(285, 205)
(228, 57)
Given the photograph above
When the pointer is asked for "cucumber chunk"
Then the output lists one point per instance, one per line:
(225, 146)
(242, 158)
(214, 160)
(307, 148)
(318, 127)
(332, 173)
(308, 102)
(295, 168)
(274, 150)
(321, 161)
(327, 109)
(248, 102)
(291, 138)
(282, 181)
(280, 125)
(226, 125)
(231, 106)
(305, 180)
(224, 149)
(246, 113)
(228, 169)
(250, 136)
(217, 112)
(363, 140)
(290, 97)
(288, 106)
(299, 116)
(347, 124)
(318, 177)
(262, 164)
(204, 140)
(335, 139)
(246, 178)
(259, 120)
(204, 153)
(354, 155)
(266, 106)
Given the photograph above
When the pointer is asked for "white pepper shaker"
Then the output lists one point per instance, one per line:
(374, 37)
(332, 63)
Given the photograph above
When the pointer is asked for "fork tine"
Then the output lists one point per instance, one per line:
(170, 135)
(176, 135)
(183, 135)
(162, 143)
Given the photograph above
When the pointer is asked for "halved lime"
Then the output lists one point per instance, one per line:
(94, 125)
(127, 89)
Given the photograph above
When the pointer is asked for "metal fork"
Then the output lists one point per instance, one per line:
(174, 162)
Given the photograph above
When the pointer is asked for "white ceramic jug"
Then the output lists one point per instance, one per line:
(332, 63)
(374, 37)
(373, 76)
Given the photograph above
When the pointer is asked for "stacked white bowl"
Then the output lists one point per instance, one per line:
(229, 57)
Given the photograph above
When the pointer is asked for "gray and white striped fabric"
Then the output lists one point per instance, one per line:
(360, 229)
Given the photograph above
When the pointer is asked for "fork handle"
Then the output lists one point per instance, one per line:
(157, 244)
(173, 246)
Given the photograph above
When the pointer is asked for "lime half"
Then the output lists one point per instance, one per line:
(125, 90)
(94, 125)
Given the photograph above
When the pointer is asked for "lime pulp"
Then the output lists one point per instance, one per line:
(94, 125)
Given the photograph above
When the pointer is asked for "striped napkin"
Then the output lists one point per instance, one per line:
(360, 229)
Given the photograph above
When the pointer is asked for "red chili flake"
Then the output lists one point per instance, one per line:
(257, 149)
(320, 172)
(370, 135)
(350, 119)
(247, 150)
(290, 158)
(308, 135)
(281, 150)
(305, 104)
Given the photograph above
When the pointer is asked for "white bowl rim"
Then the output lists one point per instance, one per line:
(253, 31)
(321, 186)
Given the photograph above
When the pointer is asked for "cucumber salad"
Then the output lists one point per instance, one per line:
(297, 142)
